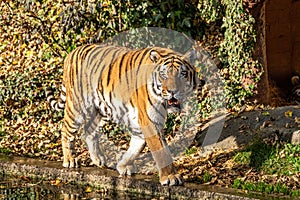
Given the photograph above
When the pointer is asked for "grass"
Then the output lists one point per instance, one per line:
(206, 177)
(264, 187)
(269, 160)
(3, 133)
(5, 150)
(283, 160)
(191, 151)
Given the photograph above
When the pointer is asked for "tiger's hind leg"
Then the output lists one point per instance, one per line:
(91, 138)
(126, 166)
(68, 131)
(88, 125)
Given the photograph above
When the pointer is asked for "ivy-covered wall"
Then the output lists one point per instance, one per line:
(36, 35)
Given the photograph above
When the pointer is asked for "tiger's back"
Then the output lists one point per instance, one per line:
(82, 72)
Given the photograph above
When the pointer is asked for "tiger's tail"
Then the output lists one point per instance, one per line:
(57, 104)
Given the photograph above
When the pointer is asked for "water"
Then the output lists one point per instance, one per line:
(21, 188)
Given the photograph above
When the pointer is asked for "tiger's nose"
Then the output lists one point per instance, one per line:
(172, 91)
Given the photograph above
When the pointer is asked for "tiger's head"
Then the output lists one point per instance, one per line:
(175, 78)
(295, 92)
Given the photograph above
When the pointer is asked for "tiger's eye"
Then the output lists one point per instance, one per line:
(184, 74)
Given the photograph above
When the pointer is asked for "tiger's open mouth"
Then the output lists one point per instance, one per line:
(173, 104)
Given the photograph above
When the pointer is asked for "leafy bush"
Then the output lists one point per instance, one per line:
(36, 35)
(241, 71)
(264, 187)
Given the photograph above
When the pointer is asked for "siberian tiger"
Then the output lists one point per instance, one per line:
(134, 87)
(295, 92)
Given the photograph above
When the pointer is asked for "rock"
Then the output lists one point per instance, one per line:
(296, 137)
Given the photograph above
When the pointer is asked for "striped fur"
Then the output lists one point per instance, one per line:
(295, 92)
(55, 104)
(137, 88)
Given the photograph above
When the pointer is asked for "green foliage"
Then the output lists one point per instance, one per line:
(206, 177)
(283, 160)
(170, 124)
(264, 187)
(243, 157)
(2, 133)
(191, 150)
(210, 10)
(241, 71)
(5, 150)
(51, 29)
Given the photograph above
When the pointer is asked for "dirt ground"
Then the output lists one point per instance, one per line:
(272, 126)
(260, 123)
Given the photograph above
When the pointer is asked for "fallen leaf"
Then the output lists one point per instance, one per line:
(88, 189)
(288, 113)
(55, 182)
(266, 113)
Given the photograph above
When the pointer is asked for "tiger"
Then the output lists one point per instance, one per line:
(136, 87)
(295, 91)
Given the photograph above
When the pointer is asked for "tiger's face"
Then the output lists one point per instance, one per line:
(176, 79)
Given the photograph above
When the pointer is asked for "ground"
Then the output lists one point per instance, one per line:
(258, 149)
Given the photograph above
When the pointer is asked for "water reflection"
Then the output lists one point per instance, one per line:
(15, 188)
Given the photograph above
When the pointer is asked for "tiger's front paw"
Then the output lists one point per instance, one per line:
(172, 179)
(98, 160)
(71, 162)
(169, 176)
(126, 170)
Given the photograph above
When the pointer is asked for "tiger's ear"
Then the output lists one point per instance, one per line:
(190, 56)
(154, 56)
